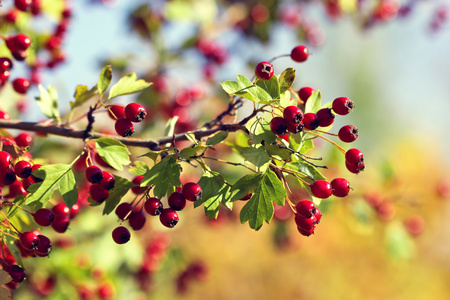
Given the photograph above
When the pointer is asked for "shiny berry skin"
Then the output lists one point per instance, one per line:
(348, 133)
(5, 64)
(121, 235)
(137, 220)
(340, 187)
(342, 106)
(108, 181)
(306, 232)
(7, 177)
(98, 193)
(60, 223)
(153, 206)
(73, 212)
(326, 117)
(20, 55)
(124, 127)
(137, 189)
(279, 126)
(354, 157)
(321, 189)
(5, 160)
(44, 246)
(4, 115)
(305, 208)
(44, 216)
(305, 92)
(310, 121)
(21, 85)
(61, 209)
(295, 128)
(264, 70)
(355, 168)
(23, 139)
(22, 5)
(169, 217)
(318, 216)
(16, 272)
(135, 112)
(117, 110)
(93, 174)
(123, 210)
(192, 191)
(292, 114)
(305, 223)
(299, 53)
(29, 240)
(177, 201)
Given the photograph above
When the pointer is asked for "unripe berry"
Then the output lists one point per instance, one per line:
(124, 127)
(192, 191)
(121, 235)
(279, 126)
(44, 216)
(177, 201)
(321, 189)
(98, 193)
(169, 217)
(29, 240)
(137, 220)
(326, 117)
(348, 133)
(340, 187)
(153, 206)
(342, 106)
(135, 112)
(310, 121)
(292, 114)
(93, 174)
(264, 70)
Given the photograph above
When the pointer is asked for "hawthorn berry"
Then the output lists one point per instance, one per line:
(137, 220)
(20, 55)
(61, 209)
(4, 76)
(153, 206)
(121, 235)
(23, 139)
(18, 43)
(135, 112)
(108, 181)
(279, 126)
(326, 117)
(305, 92)
(354, 157)
(318, 215)
(295, 128)
(116, 112)
(264, 70)
(342, 106)
(123, 210)
(5, 161)
(6, 64)
(169, 217)
(306, 208)
(44, 246)
(306, 232)
(246, 197)
(34, 178)
(93, 174)
(299, 53)
(16, 272)
(310, 121)
(192, 191)
(98, 193)
(22, 5)
(305, 223)
(60, 223)
(177, 201)
(29, 240)
(348, 133)
(137, 189)
(7, 177)
(74, 211)
(355, 168)
(124, 127)
(321, 189)
(292, 114)
(44, 216)
(15, 189)
(340, 187)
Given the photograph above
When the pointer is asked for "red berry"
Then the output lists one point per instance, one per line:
(305, 92)
(99, 160)
(321, 189)
(16, 272)
(246, 197)
(295, 128)
(299, 53)
(306, 208)
(15, 189)
(169, 217)
(306, 232)
(20, 55)
(137, 220)
(355, 168)
(121, 235)
(292, 114)
(326, 117)
(5, 161)
(74, 211)
(192, 191)
(153, 206)
(4, 115)
(29, 240)
(135, 112)
(137, 189)
(44, 216)
(279, 126)
(348, 133)
(123, 210)
(44, 247)
(108, 181)
(98, 193)
(5, 64)
(415, 225)
(305, 223)
(340, 187)
(311, 121)
(354, 157)
(21, 85)
(23, 139)
(7, 177)
(124, 127)
(342, 106)
(34, 178)
(264, 70)
(60, 223)
(94, 174)
(177, 201)
(117, 110)
(22, 5)
(61, 209)
(22, 42)
(318, 215)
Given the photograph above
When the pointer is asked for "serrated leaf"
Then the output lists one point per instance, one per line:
(217, 138)
(121, 187)
(260, 131)
(56, 177)
(164, 174)
(245, 186)
(104, 79)
(113, 152)
(313, 103)
(275, 151)
(246, 89)
(48, 102)
(83, 95)
(139, 168)
(128, 85)
(286, 79)
(306, 169)
(271, 86)
(257, 155)
(260, 206)
(214, 192)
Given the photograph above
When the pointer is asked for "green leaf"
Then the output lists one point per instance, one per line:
(275, 151)
(257, 155)
(214, 192)
(128, 85)
(48, 102)
(260, 206)
(217, 138)
(399, 243)
(170, 126)
(163, 175)
(190, 136)
(121, 187)
(186, 153)
(139, 168)
(246, 89)
(104, 80)
(83, 95)
(245, 185)
(286, 100)
(286, 79)
(260, 131)
(56, 177)
(313, 102)
(113, 152)
(306, 169)
(271, 86)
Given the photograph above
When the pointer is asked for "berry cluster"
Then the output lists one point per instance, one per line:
(126, 116)
(307, 216)
(101, 183)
